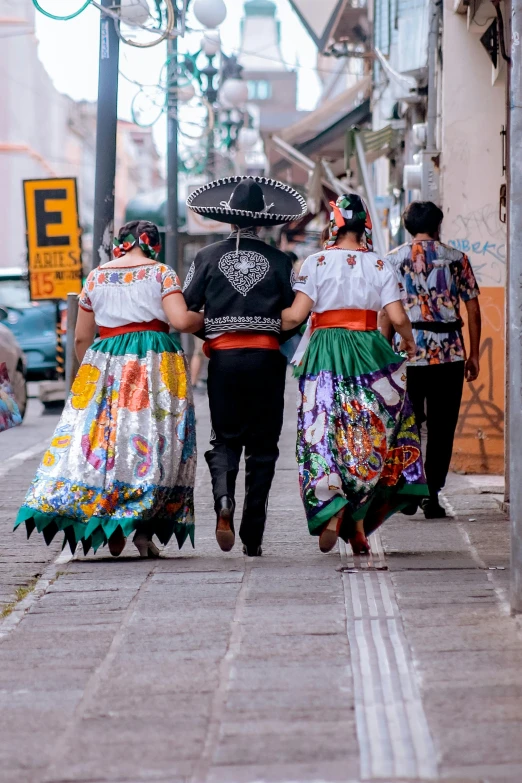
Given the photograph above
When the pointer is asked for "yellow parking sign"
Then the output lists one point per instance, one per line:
(53, 237)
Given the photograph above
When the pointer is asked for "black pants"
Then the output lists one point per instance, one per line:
(246, 396)
(435, 392)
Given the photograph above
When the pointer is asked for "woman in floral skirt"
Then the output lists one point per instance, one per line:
(122, 458)
(358, 448)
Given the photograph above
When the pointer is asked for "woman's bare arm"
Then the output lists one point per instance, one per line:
(297, 313)
(84, 332)
(385, 325)
(399, 320)
(181, 318)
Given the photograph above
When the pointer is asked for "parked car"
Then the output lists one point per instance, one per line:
(12, 355)
(32, 323)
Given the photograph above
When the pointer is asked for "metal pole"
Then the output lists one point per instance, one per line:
(433, 45)
(378, 237)
(60, 358)
(515, 305)
(106, 129)
(71, 362)
(171, 238)
(430, 159)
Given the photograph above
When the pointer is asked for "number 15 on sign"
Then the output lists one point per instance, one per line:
(53, 238)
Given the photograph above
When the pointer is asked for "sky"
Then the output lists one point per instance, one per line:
(69, 52)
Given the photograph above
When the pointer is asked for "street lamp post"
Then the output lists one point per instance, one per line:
(210, 93)
(106, 129)
(208, 12)
(171, 229)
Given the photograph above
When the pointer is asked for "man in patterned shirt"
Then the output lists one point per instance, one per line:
(434, 278)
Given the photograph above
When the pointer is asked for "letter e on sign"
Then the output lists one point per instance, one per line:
(53, 238)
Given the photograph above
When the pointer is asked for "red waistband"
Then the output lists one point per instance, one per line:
(241, 340)
(356, 320)
(147, 326)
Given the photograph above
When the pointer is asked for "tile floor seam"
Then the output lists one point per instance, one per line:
(91, 687)
(502, 598)
(392, 728)
(204, 764)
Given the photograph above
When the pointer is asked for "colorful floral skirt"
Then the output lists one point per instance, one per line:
(358, 447)
(124, 451)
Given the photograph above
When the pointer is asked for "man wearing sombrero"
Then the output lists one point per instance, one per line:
(243, 284)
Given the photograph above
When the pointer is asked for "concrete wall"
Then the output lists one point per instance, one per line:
(33, 122)
(46, 134)
(473, 111)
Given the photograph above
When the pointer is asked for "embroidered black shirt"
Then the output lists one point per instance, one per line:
(240, 291)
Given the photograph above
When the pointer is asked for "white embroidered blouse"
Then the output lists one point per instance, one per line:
(339, 279)
(133, 294)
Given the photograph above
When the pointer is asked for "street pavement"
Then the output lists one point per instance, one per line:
(205, 667)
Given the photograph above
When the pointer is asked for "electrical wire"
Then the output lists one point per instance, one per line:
(293, 66)
(205, 128)
(168, 32)
(61, 18)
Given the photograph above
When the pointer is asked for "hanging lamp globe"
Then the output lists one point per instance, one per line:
(134, 11)
(185, 92)
(234, 92)
(210, 42)
(248, 139)
(210, 13)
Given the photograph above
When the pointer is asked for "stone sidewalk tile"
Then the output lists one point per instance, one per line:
(466, 649)
(22, 561)
(205, 667)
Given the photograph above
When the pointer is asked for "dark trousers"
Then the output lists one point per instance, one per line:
(435, 392)
(246, 396)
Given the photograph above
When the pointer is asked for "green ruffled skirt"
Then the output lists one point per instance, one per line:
(358, 447)
(124, 452)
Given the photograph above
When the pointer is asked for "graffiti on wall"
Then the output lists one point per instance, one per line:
(481, 418)
(481, 235)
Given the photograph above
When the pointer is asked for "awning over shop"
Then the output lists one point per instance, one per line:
(334, 132)
(328, 114)
(329, 141)
(293, 155)
(374, 143)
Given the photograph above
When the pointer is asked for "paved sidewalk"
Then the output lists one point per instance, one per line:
(21, 563)
(295, 667)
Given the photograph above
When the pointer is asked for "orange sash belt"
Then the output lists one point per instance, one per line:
(356, 320)
(241, 340)
(147, 326)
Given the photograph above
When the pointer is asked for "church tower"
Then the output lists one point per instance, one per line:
(272, 84)
(261, 37)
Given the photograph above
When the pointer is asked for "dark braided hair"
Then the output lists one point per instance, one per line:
(138, 233)
(139, 227)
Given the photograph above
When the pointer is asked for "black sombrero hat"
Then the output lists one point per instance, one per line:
(248, 201)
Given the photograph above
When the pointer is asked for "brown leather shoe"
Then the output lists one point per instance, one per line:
(330, 534)
(117, 542)
(225, 534)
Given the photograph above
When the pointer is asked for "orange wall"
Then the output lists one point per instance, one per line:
(479, 441)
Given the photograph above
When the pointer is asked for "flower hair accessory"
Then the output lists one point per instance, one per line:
(151, 251)
(344, 209)
(123, 246)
